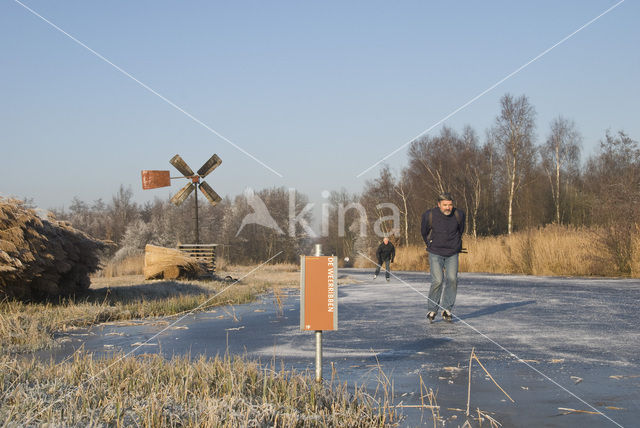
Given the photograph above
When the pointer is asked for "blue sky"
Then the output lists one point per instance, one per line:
(317, 91)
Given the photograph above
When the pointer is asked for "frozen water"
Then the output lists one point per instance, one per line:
(523, 328)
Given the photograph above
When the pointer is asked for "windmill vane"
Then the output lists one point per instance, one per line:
(152, 179)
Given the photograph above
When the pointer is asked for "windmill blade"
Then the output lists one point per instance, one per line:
(209, 166)
(181, 166)
(183, 194)
(209, 193)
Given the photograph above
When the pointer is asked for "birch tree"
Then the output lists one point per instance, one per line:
(560, 158)
(514, 134)
(402, 190)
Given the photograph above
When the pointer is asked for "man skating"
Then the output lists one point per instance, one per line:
(386, 252)
(442, 229)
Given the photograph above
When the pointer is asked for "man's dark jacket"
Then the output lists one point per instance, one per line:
(444, 235)
(386, 252)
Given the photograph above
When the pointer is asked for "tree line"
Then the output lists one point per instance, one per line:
(509, 180)
(505, 181)
(131, 225)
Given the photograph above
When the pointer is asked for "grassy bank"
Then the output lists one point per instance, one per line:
(553, 250)
(30, 326)
(151, 391)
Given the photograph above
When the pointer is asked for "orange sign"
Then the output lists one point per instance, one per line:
(155, 179)
(319, 293)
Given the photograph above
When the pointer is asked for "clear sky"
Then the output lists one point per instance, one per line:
(318, 91)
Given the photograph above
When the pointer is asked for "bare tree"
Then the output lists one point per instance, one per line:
(560, 158)
(402, 190)
(514, 134)
(122, 211)
(378, 196)
(474, 170)
(252, 242)
(342, 224)
(433, 161)
(612, 178)
(449, 162)
(377, 191)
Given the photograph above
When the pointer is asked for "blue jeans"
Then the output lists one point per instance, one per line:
(386, 266)
(440, 296)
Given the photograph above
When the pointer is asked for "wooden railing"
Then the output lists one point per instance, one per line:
(204, 253)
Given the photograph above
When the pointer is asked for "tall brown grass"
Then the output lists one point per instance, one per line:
(132, 265)
(552, 250)
(635, 254)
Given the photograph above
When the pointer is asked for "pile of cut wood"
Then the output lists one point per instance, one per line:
(169, 263)
(43, 257)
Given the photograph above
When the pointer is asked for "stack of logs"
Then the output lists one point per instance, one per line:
(43, 257)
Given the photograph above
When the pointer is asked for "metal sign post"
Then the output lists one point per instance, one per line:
(318, 299)
(319, 356)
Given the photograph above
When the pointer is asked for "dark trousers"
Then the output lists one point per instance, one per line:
(386, 266)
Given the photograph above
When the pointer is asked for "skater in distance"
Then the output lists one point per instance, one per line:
(386, 252)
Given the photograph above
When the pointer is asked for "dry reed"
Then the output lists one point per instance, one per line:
(635, 254)
(170, 263)
(552, 250)
(132, 265)
(43, 257)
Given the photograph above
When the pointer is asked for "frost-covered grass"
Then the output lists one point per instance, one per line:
(30, 326)
(152, 391)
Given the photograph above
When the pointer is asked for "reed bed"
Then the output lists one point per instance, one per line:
(151, 391)
(131, 265)
(635, 254)
(134, 265)
(552, 250)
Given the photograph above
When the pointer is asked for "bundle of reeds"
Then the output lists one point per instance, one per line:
(635, 253)
(43, 257)
(169, 263)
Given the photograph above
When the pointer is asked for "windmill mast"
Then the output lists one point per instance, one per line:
(197, 224)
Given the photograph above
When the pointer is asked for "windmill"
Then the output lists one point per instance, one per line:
(152, 179)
